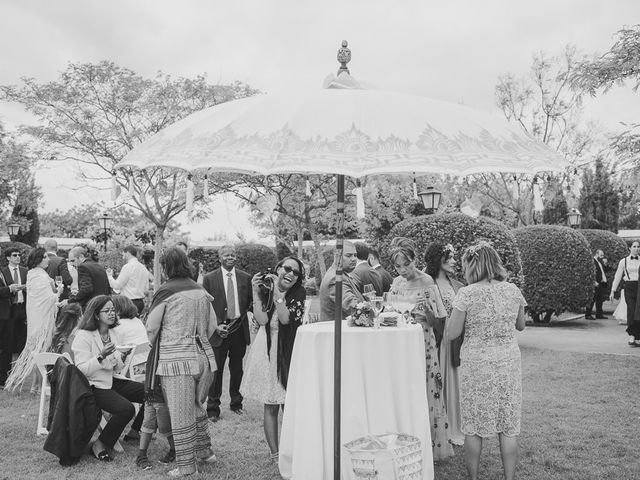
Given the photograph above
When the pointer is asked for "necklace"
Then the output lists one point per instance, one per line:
(105, 338)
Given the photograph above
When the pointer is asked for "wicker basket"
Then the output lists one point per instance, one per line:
(393, 456)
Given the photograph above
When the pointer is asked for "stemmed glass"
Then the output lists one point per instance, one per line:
(58, 280)
(369, 292)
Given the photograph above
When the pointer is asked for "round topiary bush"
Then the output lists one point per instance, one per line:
(614, 248)
(459, 230)
(557, 266)
(255, 257)
(24, 252)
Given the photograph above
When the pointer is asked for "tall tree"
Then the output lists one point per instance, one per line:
(25, 212)
(16, 165)
(599, 199)
(95, 113)
(543, 105)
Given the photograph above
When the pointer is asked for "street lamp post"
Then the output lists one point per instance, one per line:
(105, 223)
(431, 199)
(14, 229)
(574, 217)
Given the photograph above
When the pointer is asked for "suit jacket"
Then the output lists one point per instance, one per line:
(364, 274)
(92, 281)
(350, 296)
(73, 413)
(214, 284)
(7, 277)
(58, 267)
(5, 299)
(385, 277)
(600, 277)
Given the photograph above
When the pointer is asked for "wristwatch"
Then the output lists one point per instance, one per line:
(100, 358)
(280, 300)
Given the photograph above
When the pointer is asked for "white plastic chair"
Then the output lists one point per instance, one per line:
(44, 360)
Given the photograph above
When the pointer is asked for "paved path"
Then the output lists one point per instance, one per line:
(576, 334)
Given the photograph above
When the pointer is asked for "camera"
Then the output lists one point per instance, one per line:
(265, 286)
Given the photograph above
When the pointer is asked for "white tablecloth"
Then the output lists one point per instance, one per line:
(383, 391)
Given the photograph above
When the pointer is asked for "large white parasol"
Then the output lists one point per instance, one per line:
(345, 131)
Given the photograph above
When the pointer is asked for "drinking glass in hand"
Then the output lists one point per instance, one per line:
(369, 291)
(58, 281)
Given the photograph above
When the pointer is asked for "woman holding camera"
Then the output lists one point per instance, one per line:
(278, 308)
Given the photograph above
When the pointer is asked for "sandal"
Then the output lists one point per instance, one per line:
(143, 462)
(169, 457)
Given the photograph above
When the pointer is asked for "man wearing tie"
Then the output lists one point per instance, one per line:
(8, 289)
(232, 299)
(600, 287)
(15, 276)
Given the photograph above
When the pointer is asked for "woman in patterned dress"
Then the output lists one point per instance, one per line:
(182, 314)
(490, 311)
(418, 285)
(279, 313)
(440, 264)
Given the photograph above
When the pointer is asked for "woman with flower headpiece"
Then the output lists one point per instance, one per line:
(490, 311)
(440, 264)
(420, 287)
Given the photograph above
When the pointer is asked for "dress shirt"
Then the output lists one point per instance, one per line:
(225, 281)
(15, 274)
(627, 271)
(133, 281)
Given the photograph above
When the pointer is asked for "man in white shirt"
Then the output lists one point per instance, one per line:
(628, 271)
(133, 281)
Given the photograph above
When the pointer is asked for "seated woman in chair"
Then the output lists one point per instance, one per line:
(94, 350)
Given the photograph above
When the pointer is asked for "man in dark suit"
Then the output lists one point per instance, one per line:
(58, 267)
(15, 276)
(600, 287)
(374, 261)
(92, 277)
(8, 292)
(363, 274)
(232, 300)
(350, 294)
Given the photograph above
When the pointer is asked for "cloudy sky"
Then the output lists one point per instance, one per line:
(447, 50)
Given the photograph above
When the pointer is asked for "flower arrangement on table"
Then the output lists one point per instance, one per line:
(363, 316)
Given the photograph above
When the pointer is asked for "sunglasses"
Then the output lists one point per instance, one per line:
(108, 310)
(289, 269)
(15, 254)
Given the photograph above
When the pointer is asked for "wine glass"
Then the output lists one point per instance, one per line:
(377, 304)
(369, 292)
(58, 280)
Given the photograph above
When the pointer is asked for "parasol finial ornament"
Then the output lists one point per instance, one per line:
(344, 57)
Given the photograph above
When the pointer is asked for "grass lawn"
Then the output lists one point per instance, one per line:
(580, 422)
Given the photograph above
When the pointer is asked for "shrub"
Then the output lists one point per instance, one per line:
(460, 230)
(254, 257)
(557, 266)
(614, 248)
(207, 256)
(24, 252)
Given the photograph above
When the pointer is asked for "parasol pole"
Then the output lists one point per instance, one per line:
(337, 338)
(344, 57)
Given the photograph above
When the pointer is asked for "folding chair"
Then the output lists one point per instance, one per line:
(44, 360)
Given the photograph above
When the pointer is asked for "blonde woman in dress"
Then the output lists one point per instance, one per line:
(420, 287)
(42, 297)
(490, 311)
(279, 313)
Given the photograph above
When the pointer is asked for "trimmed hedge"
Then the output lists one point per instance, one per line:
(252, 257)
(614, 248)
(557, 265)
(460, 230)
(24, 252)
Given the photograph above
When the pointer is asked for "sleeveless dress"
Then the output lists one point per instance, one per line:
(440, 435)
(260, 380)
(490, 364)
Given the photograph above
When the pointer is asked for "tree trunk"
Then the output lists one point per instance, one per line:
(535, 316)
(547, 316)
(157, 270)
(300, 242)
